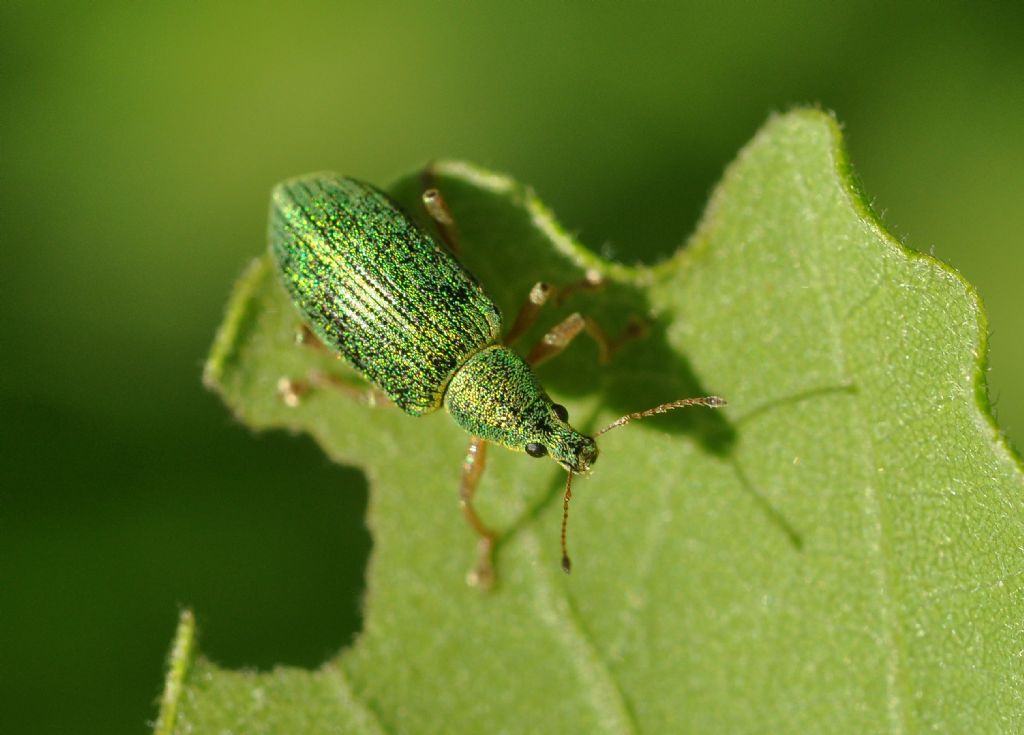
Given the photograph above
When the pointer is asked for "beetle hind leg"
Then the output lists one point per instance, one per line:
(304, 336)
(437, 208)
(292, 391)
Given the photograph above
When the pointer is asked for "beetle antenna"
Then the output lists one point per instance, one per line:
(566, 563)
(709, 401)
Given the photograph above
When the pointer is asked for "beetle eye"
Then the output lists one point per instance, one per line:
(536, 450)
(561, 412)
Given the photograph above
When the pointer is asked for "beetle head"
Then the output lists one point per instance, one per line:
(576, 452)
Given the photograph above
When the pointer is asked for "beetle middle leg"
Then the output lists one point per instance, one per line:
(472, 468)
(562, 334)
(540, 294)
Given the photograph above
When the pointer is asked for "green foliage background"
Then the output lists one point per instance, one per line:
(139, 144)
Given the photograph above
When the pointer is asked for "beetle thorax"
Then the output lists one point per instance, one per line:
(496, 396)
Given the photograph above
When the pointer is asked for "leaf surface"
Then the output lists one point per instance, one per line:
(837, 550)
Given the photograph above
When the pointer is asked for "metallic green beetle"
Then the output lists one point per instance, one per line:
(382, 292)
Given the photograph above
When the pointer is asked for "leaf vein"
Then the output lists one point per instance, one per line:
(872, 505)
(555, 608)
(364, 715)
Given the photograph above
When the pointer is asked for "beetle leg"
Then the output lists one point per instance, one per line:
(529, 312)
(438, 210)
(304, 336)
(591, 279)
(292, 391)
(540, 294)
(563, 333)
(559, 337)
(472, 468)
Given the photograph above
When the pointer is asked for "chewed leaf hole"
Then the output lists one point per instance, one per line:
(283, 578)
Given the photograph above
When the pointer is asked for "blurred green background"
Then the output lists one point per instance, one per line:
(139, 144)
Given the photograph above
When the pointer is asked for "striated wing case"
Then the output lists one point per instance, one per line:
(372, 285)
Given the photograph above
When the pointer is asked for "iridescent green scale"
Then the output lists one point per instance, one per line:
(378, 289)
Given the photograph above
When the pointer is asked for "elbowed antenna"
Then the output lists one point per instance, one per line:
(566, 563)
(709, 401)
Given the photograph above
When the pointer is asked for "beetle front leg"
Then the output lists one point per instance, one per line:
(472, 468)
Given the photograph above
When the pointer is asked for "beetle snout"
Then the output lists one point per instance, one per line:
(586, 456)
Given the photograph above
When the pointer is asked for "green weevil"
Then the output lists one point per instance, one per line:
(395, 303)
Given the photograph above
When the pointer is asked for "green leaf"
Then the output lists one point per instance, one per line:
(838, 550)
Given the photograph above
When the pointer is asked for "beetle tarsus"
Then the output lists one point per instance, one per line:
(472, 468)
(482, 575)
(592, 279)
(437, 208)
(291, 391)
